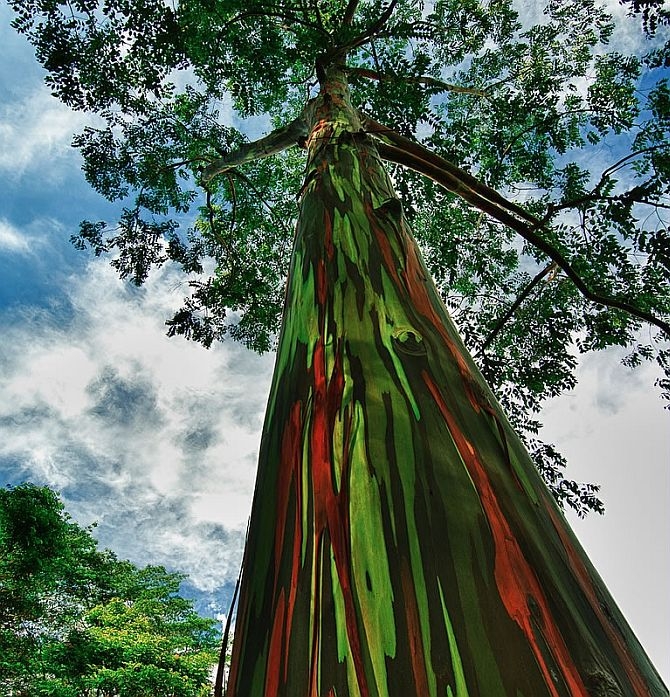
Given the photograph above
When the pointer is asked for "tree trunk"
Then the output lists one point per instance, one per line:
(401, 542)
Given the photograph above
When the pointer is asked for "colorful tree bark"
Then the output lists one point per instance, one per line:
(401, 542)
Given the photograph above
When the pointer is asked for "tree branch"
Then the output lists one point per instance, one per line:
(420, 80)
(295, 133)
(514, 306)
(266, 12)
(460, 178)
(624, 160)
(372, 29)
(403, 151)
(271, 210)
(349, 12)
(319, 18)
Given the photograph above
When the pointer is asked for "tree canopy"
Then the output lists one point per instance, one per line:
(531, 158)
(76, 621)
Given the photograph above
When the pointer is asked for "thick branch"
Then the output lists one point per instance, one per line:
(349, 12)
(419, 80)
(466, 183)
(295, 133)
(403, 151)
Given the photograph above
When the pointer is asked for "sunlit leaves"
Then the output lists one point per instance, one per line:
(75, 621)
(102, 55)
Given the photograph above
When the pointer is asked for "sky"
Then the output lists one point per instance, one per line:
(156, 438)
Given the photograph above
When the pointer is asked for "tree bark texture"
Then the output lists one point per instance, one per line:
(401, 542)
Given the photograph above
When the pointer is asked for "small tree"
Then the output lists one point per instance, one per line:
(77, 622)
(401, 540)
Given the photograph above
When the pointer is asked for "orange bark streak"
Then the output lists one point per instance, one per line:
(514, 576)
(414, 631)
(275, 652)
(413, 276)
(382, 242)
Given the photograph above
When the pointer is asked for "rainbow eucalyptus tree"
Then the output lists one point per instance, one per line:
(420, 158)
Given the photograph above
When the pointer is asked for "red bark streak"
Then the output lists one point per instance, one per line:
(382, 242)
(414, 631)
(331, 508)
(321, 283)
(289, 469)
(514, 576)
(413, 276)
(321, 125)
(582, 574)
(291, 456)
(295, 570)
(275, 651)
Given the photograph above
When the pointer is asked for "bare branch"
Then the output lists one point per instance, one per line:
(295, 133)
(350, 12)
(460, 178)
(420, 80)
(625, 160)
(514, 306)
(403, 151)
(373, 28)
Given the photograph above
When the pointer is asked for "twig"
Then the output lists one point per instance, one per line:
(426, 80)
(371, 30)
(270, 208)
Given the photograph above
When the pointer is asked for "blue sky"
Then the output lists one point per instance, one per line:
(156, 438)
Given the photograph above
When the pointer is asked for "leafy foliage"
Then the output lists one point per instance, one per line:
(543, 112)
(654, 15)
(75, 621)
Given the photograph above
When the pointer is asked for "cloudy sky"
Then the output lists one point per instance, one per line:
(156, 438)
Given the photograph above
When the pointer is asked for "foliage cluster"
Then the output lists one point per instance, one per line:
(78, 622)
(541, 109)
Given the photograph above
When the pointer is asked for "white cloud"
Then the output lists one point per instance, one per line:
(36, 129)
(11, 239)
(613, 430)
(146, 434)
